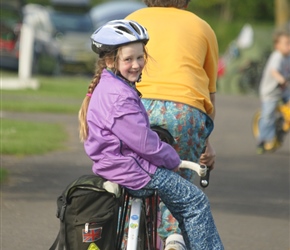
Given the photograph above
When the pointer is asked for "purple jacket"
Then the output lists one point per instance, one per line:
(120, 143)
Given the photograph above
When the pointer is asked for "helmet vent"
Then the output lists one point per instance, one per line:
(135, 28)
(124, 29)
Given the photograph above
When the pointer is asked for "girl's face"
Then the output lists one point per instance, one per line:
(131, 61)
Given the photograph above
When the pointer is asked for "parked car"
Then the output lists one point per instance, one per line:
(108, 11)
(74, 27)
(10, 24)
(45, 47)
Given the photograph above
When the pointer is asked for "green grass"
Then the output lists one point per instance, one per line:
(27, 138)
(55, 95)
(3, 174)
(39, 105)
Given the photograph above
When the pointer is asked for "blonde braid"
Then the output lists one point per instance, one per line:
(83, 125)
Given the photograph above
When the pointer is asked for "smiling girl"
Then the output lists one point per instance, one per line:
(115, 129)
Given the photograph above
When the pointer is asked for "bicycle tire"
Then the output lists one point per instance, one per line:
(150, 214)
(142, 230)
(278, 127)
(255, 124)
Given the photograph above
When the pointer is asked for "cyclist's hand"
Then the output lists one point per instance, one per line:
(208, 157)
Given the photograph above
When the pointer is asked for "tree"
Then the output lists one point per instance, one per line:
(282, 9)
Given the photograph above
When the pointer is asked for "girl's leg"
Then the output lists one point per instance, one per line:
(190, 207)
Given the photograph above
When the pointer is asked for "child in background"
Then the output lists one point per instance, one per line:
(117, 136)
(273, 88)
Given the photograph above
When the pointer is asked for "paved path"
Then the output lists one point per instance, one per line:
(249, 194)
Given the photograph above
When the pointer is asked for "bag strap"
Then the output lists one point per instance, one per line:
(55, 243)
(60, 239)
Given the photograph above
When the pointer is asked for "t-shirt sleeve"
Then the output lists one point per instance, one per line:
(211, 60)
(275, 62)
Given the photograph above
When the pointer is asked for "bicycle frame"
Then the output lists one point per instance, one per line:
(134, 223)
(137, 204)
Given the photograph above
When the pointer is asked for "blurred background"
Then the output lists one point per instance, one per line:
(62, 29)
(40, 148)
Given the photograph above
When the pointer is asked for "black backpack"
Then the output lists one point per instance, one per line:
(88, 216)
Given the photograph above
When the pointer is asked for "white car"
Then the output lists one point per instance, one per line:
(73, 31)
(113, 10)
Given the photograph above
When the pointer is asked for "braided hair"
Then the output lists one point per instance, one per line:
(100, 66)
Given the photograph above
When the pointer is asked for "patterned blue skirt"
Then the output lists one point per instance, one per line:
(190, 128)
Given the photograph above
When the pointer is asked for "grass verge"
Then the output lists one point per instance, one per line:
(3, 174)
(55, 95)
(28, 138)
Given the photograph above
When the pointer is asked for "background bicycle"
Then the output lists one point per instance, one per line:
(282, 124)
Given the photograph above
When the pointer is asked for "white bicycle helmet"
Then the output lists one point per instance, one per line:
(116, 33)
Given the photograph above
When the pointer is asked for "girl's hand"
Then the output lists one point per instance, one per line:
(208, 157)
(175, 169)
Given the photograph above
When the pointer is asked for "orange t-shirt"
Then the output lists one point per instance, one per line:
(183, 57)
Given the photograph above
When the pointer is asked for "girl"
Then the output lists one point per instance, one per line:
(117, 136)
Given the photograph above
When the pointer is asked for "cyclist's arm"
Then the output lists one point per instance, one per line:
(212, 99)
(278, 76)
(208, 157)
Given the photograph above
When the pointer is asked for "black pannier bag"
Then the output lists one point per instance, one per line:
(88, 213)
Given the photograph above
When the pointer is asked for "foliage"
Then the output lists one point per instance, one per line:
(246, 10)
(48, 2)
(243, 71)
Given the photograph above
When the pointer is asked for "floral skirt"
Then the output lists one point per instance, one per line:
(189, 127)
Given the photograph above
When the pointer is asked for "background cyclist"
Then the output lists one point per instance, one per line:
(273, 87)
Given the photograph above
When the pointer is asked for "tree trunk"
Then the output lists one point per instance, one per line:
(226, 12)
(281, 12)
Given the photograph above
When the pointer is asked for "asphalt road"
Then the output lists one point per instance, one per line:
(249, 193)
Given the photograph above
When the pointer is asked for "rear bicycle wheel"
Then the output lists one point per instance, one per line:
(146, 240)
(148, 237)
(278, 127)
(142, 243)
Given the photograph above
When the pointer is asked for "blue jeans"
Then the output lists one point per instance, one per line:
(189, 205)
(267, 123)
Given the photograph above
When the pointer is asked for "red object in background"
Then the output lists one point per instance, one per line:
(7, 45)
(221, 67)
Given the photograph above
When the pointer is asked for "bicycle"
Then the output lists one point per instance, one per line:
(282, 125)
(144, 215)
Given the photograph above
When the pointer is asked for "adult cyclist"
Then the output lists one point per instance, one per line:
(178, 87)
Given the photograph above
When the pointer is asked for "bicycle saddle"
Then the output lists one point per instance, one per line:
(163, 134)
